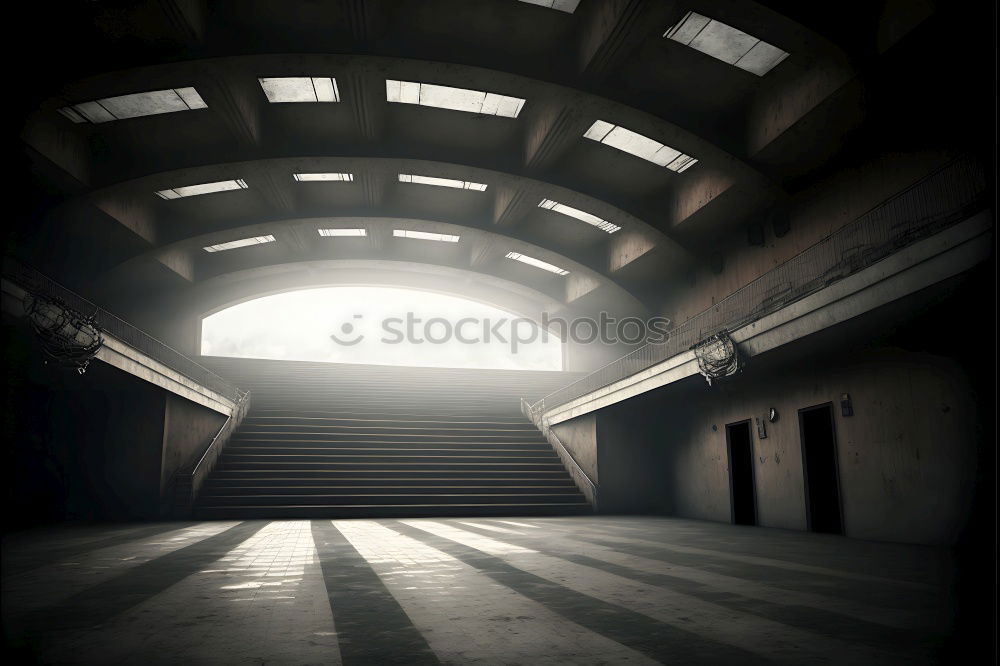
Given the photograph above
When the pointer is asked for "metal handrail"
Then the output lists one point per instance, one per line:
(190, 481)
(589, 489)
(35, 282)
(945, 197)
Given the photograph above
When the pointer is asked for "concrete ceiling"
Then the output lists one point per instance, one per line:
(103, 229)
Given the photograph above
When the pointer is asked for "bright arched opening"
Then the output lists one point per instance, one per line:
(382, 326)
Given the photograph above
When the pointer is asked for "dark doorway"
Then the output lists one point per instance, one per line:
(819, 460)
(741, 473)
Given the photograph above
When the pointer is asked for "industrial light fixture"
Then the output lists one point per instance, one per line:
(456, 99)
(286, 89)
(592, 220)
(342, 232)
(636, 144)
(328, 177)
(568, 6)
(442, 182)
(537, 263)
(425, 235)
(243, 242)
(135, 105)
(726, 43)
(204, 188)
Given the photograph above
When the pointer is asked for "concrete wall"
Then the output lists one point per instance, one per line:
(814, 214)
(626, 466)
(906, 456)
(187, 429)
(99, 446)
(580, 437)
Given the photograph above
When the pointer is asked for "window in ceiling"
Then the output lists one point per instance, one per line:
(133, 106)
(726, 43)
(300, 89)
(243, 242)
(640, 146)
(441, 182)
(343, 232)
(537, 263)
(568, 6)
(424, 235)
(593, 220)
(456, 99)
(204, 188)
(333, 177)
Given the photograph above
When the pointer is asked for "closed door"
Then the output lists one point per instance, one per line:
(819, 459)
(741, 483)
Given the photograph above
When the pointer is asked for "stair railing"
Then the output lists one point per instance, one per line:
(580, 477)
(190, 481)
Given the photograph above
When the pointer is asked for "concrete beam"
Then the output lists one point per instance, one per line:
(921, 265)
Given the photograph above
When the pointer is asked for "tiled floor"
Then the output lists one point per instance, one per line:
(583, 590)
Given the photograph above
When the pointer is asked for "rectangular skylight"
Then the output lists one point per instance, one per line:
(537, 263)
(442, 182)
(424, 235)
(133, 106)
(726, 43)
(639, 145)
(568, 6)
(300, 89)
(343, 232)
(244, 242)
(557, 207)
(335, 177)
(204, 188)
(456, 99)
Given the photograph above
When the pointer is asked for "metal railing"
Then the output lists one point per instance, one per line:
(580, 477)
(39, 284)
(949, 195)
(189, 481)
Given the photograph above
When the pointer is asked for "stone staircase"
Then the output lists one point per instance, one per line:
(332, 440)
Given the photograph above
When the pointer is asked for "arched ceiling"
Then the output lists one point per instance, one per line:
(607, 60)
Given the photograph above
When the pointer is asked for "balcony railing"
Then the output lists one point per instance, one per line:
(38, 284)
(947, 196)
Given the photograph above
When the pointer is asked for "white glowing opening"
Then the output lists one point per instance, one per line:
(380, 326)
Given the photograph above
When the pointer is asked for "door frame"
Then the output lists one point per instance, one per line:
(836, 464)
(753, 475)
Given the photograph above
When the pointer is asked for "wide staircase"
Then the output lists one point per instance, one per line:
(335, 440)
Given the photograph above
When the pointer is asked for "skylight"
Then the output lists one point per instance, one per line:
(204, 188)
(456, 99)
(593, 220)
(639, 145)
(726, 43)
(300, 89)
(343, 232)
(336, 177)
(244, 242)
(537, 263)
(442, 182)
(568, 6)
(133, 106)
(424, 235)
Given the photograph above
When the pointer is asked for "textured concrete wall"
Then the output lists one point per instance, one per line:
(906, 456)
(814, 214)
(187, 430)
(580, 437)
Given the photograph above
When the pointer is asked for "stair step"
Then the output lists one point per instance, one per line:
(432, 488)
(390, 510)
(256, 499)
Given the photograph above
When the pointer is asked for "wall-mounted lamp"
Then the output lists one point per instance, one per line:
(846, 408)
